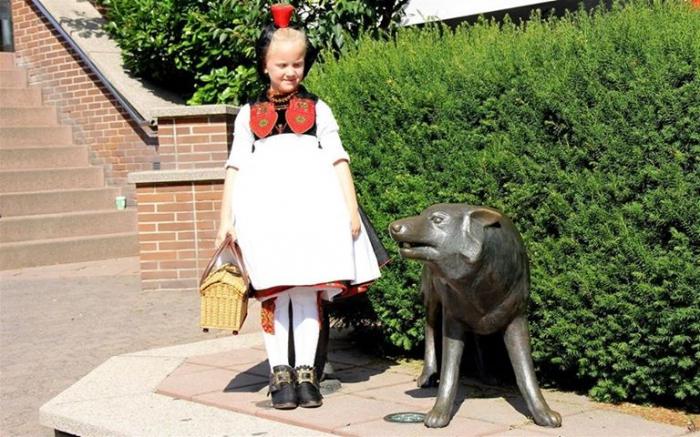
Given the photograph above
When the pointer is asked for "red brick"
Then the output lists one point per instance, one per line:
(188, 273)
(158, 236)
(160, 274)
(159, 218)
(148, 265)
(209, 129)
(212, 147)
(191, 139)
(180, 264)
(174, 187)
(186, 255)
(207, 195)
(182, 216)
(174, 245)
(173, 207)
(148, 247)
(156, 197)
(185, 236)
(158, 256)
(175, 226)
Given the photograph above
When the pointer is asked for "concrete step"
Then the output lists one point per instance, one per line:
(13, 181)
(20, 98)
(15, 78)
(65, 225)
(22, 117)
(55, 201)
(67, 250)
(7, 60)
(43, 157)
(35, 136)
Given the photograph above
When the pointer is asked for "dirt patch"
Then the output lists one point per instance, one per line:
(657, 414)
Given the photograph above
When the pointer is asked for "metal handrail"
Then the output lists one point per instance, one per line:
(146, 127)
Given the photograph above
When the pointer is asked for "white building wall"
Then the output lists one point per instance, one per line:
(421, 11)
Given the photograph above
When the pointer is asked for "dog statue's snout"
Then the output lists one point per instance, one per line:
(397, 228)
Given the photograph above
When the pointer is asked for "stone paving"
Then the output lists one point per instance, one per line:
(57, 323)
(373, 388)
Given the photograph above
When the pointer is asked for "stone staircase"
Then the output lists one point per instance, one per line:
(54, 206)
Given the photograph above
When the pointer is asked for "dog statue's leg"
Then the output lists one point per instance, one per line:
(452, 348)
(429, 375)
(517, 339)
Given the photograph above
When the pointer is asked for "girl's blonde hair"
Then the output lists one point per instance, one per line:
(270, 34)
(289, 34)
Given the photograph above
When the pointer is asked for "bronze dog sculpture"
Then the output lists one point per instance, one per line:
(476, 273)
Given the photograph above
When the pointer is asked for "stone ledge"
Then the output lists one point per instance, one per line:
(118, 399)
(194, 111)
(187, 175)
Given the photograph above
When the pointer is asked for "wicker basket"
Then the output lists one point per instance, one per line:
(224, 302)
(224, 292)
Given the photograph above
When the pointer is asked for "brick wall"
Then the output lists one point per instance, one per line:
(179, 205)
(98, 121)
(177, 227)
(199, 141)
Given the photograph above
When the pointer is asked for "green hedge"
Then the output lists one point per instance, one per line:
(586, 131)
(204, 49)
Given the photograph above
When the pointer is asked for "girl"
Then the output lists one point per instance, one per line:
(290, 201)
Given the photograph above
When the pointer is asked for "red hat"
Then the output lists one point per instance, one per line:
(282, 14)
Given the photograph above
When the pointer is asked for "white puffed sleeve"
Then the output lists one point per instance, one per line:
(242, 139)
(327, 133)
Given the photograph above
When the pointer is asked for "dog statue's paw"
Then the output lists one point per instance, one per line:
(437, 418)
(549, 418)
(427, 378)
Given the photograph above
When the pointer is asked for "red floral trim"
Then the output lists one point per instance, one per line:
(346, 289)
(267, 315)
(300, 115)
(263, 118)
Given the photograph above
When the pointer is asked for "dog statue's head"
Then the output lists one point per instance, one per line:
(447, 235)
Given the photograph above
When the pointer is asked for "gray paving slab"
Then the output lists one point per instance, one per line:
(58, 323)
(157, 415)
(118, 399)
(91, 323)
(609, 423)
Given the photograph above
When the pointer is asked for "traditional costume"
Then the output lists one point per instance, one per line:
(293, 225)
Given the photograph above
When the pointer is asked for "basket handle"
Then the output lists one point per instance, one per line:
(236, 250)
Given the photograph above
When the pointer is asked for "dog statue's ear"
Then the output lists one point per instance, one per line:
(486, 216)
(474, 235)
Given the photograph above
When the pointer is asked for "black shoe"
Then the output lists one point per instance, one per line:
(282, 388)
(308, 391)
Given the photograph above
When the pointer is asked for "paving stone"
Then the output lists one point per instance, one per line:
(361, 378)
(57, 323)
(457, 427)
(188, 368)
(406, 393)
(356, 359)
(346, 411)
(175, 418)
(185, 386)
(261, 368)
(230, 358)
(247, 400)
(608, 423)
(517, 432)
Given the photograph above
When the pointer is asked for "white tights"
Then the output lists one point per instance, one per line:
(306, 327)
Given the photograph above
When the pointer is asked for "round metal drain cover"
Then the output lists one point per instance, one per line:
(406, 417)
